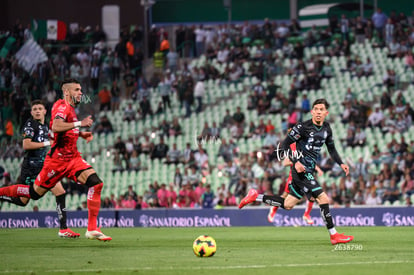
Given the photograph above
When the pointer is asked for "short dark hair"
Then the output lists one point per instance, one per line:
(70, 80)
(321, 101)
(37, 102)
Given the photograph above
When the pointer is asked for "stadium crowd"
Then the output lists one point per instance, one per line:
(115, 75)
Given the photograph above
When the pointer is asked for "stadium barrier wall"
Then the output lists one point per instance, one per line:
(387, 216)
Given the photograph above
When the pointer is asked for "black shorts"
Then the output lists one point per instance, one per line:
(29, 173)
(304, 184)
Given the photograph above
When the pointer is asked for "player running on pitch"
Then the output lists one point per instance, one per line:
(309, 202)
(309, 137)
(64, 159)
(35, 143)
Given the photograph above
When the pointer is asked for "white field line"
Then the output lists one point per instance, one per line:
(160, 268)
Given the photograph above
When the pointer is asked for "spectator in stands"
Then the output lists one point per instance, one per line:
(407, 188)
(129, 83)
(200, 37)
(129, 113)
(104, 126)
(162, 196)
(238, 116)
(160, 150)
(173, 155)
(188, 96)
(118, 163)
(207, 198)
(227, 120)
(141, 204)
(360, 169)
(131, 192)
(360, 137)
(326, 163)
(115, 96)
(134, 162)
(225, 151)
(188, 156)
(376, 118)
(391, 193)
(165, 90)
(120, 146)
(145, 108)
(199, 92)
(164, 128)
(175, 129)
(178, 178)
(379, 20)
(271, 139)
(172, 59)
(105, 98)
(389, 79)
(106, 203)
(237, 131)
(201, 159)
(371, 198)
(232, 171)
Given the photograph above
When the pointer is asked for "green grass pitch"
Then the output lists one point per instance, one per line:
(240, 250)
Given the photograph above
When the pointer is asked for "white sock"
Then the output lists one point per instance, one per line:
(332, 231)
(259, 198)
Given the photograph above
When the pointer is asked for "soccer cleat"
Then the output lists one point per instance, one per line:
(272, 213)
(341, 238)
(67, 233)
(97, 235)
(307, 219)
(251, 197)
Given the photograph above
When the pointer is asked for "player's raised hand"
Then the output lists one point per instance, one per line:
(87, 121)
(345, 168)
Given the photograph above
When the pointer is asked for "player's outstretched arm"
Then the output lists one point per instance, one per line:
(28, 144)
(59, 125)
(335, 156)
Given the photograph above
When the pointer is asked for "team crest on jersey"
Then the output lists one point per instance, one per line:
(51, 174)
(325, 134)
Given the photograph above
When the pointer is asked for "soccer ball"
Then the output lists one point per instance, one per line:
(204, 246)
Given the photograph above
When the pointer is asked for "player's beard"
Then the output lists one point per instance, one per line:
(75, 101)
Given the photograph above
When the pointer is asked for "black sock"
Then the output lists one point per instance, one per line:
(13, 200)
(326, 215)
(274, 200)
(61, 210)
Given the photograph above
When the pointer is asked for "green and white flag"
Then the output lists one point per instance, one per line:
(29, 55)
(49, 29)
(7, 46)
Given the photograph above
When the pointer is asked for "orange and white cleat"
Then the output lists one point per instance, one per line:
(307, 219)
(272, 214)
(68, 233)
(340, 238)
(97, 235)
(251, 197)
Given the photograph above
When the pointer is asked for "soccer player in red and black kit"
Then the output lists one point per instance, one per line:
(309, 202)
(64, 159)
(309, 136)
(36, 143)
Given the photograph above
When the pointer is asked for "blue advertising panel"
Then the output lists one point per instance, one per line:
(390, 216)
